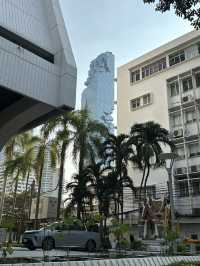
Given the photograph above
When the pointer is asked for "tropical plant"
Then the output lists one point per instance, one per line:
(149, 139)
(187, 9)
(80, 194)
(87, 136)
(59, 128)
(39, 163)
(120, 232)
(118, 151)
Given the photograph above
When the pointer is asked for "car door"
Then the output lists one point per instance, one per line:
(59, 235)
(77, 236)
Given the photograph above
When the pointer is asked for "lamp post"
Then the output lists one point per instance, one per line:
(169, 161)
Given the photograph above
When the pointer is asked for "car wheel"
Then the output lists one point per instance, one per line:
(91, 245)
(48, 244)
(30, 246)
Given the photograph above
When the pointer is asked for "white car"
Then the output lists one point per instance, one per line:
(61, 235)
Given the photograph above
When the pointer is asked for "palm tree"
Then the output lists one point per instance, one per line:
(39, 165)
(117, 152)
(79, 193)
(59, 128)
(149, 139)
(87, 138)
(18, 152)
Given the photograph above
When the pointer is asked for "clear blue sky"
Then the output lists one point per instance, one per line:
(127, 28)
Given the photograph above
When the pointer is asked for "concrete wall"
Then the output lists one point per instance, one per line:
(45, 88)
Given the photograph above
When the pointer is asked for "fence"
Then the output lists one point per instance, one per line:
(149, 261)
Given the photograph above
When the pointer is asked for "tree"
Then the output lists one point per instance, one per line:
(117, 152)
(149, 139)
(59, 127)
(98, 175)
(187, 9)
(87, 136)
(39, 163)
(79, 193)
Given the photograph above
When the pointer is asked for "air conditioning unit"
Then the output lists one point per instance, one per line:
(178, 133)
(185, 99)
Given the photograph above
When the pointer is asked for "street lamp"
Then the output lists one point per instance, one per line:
(169, 161)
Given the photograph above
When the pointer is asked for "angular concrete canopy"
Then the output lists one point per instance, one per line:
(38, 70)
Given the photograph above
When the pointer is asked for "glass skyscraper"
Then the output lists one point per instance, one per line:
(98, 96)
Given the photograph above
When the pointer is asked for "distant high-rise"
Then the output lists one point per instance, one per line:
(98, 96)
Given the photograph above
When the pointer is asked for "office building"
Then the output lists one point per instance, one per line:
(98, 96)
(164, 86)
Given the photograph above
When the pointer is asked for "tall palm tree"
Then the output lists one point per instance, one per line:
(149, 139)
(87, 137)
(117, 152)
(39, 165)
(58, 129)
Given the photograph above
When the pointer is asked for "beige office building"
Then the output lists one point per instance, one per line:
(164, 86)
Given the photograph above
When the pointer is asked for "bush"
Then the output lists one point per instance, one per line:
(137, 245)
(181, 248)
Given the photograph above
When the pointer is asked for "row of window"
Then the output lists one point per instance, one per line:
(159, 65)
(187, 85)
(192, 151)
(141, 101)
(190, 116)
(183, 189)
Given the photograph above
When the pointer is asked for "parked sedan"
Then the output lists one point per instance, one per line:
(60, 235)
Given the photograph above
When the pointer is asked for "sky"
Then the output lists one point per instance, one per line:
(127, 28)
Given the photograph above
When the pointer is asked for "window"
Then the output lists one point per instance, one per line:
(141, 101)
(154, 67)
(183, 189)
(147, 99)
(176, 58)
(181, 153)
(174, 88)
(176, 121)
(135, 76)
(190, 116)
(197, 78)
(135, 103)
(187, 84)
(26, 44)
(194, 150)
(196, 187)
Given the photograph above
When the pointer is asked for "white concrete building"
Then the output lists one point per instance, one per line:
(164, 86)
(38, 70)
(98, 95)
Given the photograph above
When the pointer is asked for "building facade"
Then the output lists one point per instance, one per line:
(164, 86)
(38, 70)
(98, 96)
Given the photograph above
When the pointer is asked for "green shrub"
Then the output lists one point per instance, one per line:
(137, 245)
(181, 248)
